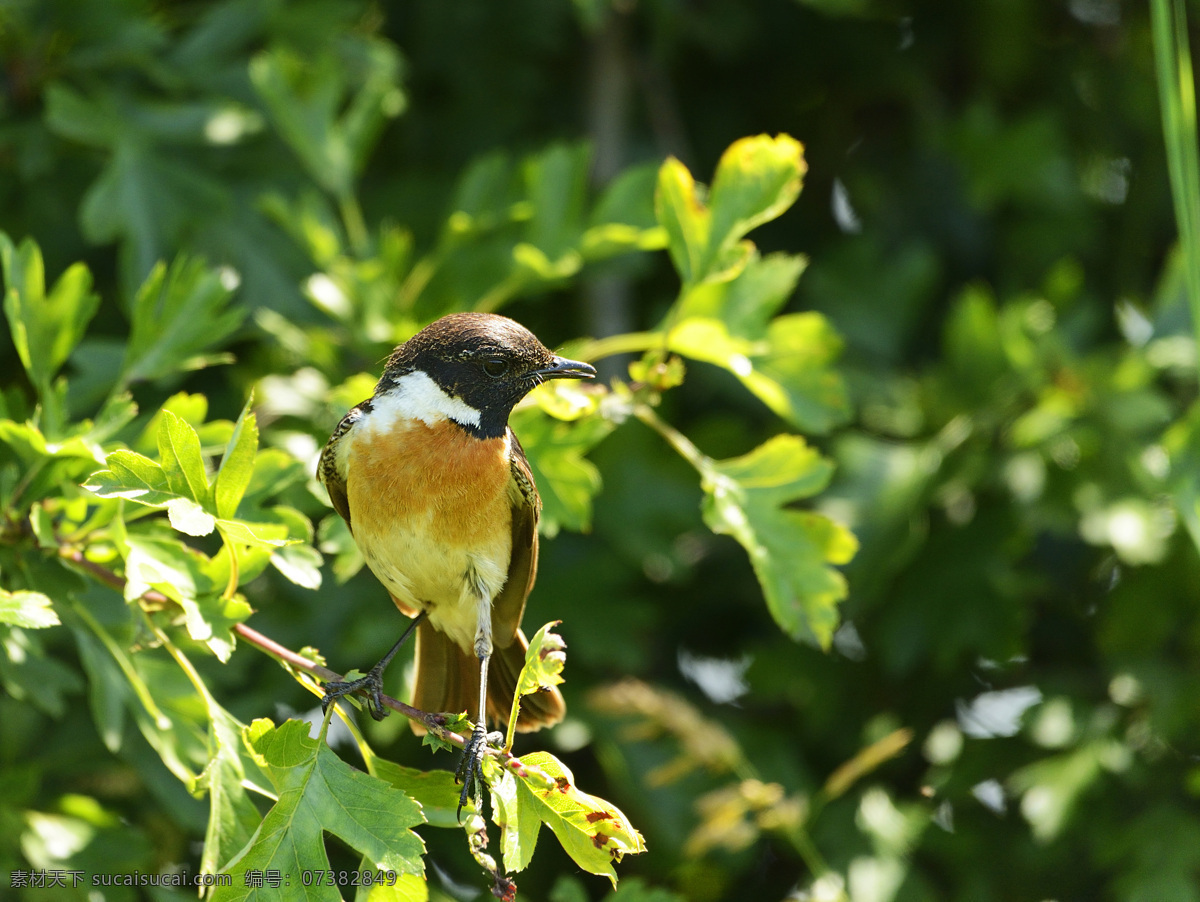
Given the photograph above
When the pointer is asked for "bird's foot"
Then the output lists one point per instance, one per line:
(470, 766)
(371, 683)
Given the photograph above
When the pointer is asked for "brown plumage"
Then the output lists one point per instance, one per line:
(438, 494)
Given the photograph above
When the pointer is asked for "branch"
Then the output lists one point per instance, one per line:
(434, 723)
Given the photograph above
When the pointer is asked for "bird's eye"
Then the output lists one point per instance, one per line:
(495, 367)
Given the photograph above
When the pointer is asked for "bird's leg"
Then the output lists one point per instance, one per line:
(470, 767)
(372, 682)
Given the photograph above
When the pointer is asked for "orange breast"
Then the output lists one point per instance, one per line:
(438, 480)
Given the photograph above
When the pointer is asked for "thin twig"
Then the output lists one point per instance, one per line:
(434, 723)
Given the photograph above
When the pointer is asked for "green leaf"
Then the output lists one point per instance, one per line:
(164, 565)
(149, 198)
(566, 480)
(594, 833)
(679, 206)
(319, 793)
(108, 689)
(45, 328)
(274, 535)
(181, 459)
(519, 823)
(31, 610)
(46, 465)
(756, 180)
(237, 465)
(556, 186)
(89, 121)
(544, 661)
(336, 539)
(435, 790)
(190, 579)
(135, 477)
(751, 498)
(786, 361)
(179, 314)
(233, 817)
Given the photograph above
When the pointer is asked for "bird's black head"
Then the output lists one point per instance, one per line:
(481, 363)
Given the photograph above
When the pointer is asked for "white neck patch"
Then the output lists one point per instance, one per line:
(417, 396)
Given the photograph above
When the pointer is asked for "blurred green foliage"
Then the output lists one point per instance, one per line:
(951, 449)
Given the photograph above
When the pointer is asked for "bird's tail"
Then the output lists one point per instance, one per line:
(447, 680)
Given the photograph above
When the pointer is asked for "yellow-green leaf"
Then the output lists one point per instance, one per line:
(792, 551)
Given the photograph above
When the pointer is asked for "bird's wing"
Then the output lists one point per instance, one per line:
(509, 605)
(327, 471)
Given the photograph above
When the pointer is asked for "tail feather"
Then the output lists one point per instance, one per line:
(447, 680)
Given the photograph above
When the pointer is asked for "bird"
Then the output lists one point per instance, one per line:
(440, 499)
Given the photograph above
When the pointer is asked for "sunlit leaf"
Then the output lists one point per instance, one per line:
(544, 660)
(319, 793)
(237, 465)
(593, 832)
(792, 551)
(181, 459)
(31, 610)
(756, 180)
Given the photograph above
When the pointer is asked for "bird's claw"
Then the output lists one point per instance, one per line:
(470, 766)
(372, 683)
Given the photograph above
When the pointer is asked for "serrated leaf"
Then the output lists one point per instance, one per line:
(147, 197)
(750, 498)
(566, 480)
(48, 464)
(756, 180)
(544, 661)
(319, 793)
(179, 314)
(594, 833)
(211, 617)
(45, 327)
(164, 565)
(786, 361)
(233, 817)
(237, 464)
(133, 476)
(681, 212)
(435, 790)
(181, 459)
(31, 610)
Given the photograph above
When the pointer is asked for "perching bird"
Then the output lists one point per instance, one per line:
(439, 497)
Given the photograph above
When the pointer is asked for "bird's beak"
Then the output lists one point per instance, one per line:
(561, 368)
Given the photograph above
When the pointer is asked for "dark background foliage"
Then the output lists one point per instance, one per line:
(988, 222)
